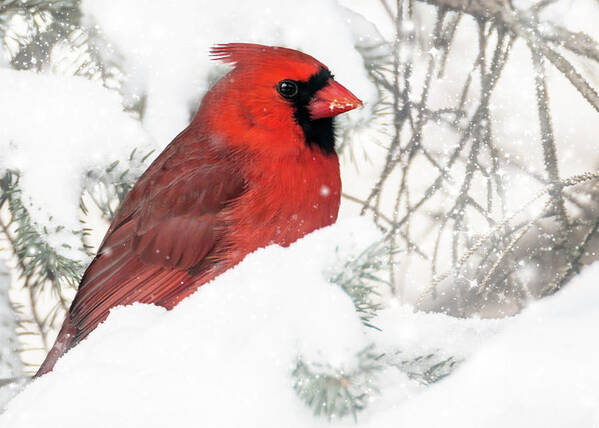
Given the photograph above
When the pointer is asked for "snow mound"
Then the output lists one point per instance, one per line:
(224, 356)
(52, 131)
(541, 371)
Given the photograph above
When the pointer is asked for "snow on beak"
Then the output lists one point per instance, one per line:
(332, 100)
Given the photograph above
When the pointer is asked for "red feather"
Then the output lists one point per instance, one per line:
(240, 177)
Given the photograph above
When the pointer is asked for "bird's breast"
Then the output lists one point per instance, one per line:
(286, 198)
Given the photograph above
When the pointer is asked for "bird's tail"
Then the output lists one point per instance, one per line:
(63, 341)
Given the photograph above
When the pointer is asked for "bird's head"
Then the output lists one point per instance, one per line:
(277, 89)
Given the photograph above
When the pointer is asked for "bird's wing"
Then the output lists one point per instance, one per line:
(170, 221)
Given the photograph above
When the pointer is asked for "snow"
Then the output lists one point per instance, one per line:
(166, 48)
(224, 355)
(53, 130)
(540, 371)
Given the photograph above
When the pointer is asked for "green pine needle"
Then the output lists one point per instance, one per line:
(108, 187)
(37, 259)
(425, 369)
(359, 278)
(336, 393)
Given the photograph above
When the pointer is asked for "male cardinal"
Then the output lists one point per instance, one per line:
(256, 166)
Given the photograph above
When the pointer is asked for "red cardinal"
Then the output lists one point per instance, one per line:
(256, 166)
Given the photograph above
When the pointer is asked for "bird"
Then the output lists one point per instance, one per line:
(256, 166)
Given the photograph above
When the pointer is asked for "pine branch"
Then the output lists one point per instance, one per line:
(359, 278)
(39, 263)
(424, 369)
(483, 9)
(107, 188)
(10, 364)
(520, 23)
(499, 228)
(47, 23)
(337, 393)
(579, 43)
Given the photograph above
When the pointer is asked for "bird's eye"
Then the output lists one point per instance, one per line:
(287, 88)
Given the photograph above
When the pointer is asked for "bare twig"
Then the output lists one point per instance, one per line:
(547, 139)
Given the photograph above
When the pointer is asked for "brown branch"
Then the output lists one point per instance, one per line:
(547, 139)
(36, 318)
(506, 251)
(574, 262)
(568, 70)
(501, 12)
(484, 9)
(411, 245)
(570, 181)
(579, 43)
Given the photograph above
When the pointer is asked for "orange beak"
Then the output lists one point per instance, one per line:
(332, 100)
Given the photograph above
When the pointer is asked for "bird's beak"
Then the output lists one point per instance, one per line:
(332, 100)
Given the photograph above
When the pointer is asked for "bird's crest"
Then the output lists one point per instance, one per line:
(250, 53)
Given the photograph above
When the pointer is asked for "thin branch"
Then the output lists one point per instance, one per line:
(547, 139)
